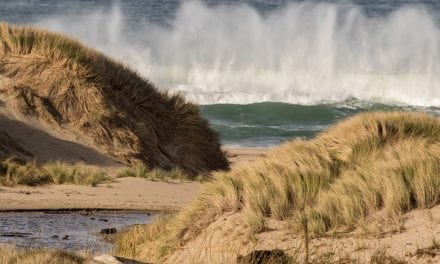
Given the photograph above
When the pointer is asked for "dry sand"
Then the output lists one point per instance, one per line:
(123, 193)
(241, 156)
(226, 238)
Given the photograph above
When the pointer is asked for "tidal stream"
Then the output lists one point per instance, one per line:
(66, 230)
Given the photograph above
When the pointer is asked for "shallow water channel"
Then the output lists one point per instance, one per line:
(65, 230)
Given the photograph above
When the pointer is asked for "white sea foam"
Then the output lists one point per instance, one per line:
(305, 53)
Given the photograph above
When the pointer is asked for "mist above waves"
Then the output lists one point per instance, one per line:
(305, 53)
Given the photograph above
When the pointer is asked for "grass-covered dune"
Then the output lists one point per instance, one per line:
(70, 87)
(371, 168)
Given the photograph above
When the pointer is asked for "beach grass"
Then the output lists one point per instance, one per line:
(62, 173)
(157, 174)
(31, 174)
(131, 242)
(383, 163)
(13, 255)
(14, 173)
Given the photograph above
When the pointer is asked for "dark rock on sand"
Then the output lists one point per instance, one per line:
(109, 231)
(276, 256)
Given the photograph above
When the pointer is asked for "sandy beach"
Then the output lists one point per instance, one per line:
(122, 193)
(241, 156)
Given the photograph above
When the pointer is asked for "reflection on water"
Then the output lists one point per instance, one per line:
(65, 230)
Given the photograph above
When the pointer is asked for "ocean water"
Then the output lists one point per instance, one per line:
(264, 71)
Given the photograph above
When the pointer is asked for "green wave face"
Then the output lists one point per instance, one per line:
(269, 124)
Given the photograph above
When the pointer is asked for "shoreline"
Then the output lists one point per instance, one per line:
(123, 194)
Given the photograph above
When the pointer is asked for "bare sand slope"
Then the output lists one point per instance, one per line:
(27, 138)
(30, 141)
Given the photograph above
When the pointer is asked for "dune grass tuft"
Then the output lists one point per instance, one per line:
(12, 173)
(16, 173)
(384, 162)
(30, 173)
(12, 255)
(131, 242)
(142, 171)
(75, 174)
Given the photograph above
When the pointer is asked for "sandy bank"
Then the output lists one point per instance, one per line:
(123, 193)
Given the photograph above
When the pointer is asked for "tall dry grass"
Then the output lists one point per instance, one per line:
(12, 173)
(133, 241)
(12, 255)
(141, 171)
(70, 86)
(371, 163)
(32, 174)
(61, 173)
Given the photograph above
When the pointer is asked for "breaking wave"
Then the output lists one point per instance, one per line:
(306, 53)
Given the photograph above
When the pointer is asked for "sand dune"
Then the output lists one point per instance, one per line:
(72, 92)
(367, 176)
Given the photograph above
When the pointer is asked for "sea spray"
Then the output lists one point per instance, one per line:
(304, 53)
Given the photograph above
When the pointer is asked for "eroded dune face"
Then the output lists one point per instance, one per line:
(99, 103)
